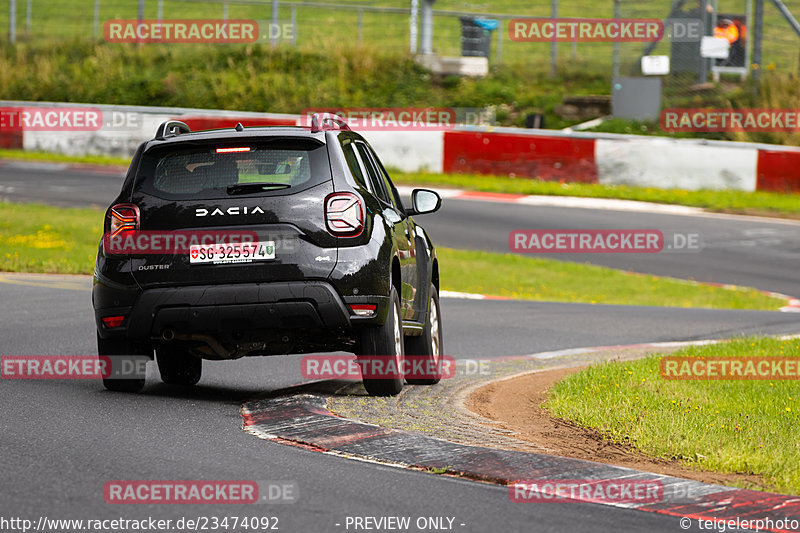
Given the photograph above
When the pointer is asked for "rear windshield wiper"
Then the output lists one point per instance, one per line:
(248, 188)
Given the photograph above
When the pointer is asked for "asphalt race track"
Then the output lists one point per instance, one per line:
(61, 441)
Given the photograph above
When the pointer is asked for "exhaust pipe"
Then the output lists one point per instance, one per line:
(167, 334)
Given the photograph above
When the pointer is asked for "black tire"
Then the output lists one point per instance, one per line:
(118, 350)
(386, 340)
(428, 346)
(177, 366)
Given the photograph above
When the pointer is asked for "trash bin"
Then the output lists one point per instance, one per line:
(476, 36)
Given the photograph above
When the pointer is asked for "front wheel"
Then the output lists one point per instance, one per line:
(425, 351)
(384, 344)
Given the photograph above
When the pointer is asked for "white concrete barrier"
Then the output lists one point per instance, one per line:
(675, 164)
(535, 154)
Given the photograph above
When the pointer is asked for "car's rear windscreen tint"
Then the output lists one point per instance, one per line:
(204, 171)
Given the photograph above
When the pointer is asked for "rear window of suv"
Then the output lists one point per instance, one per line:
(204, 171)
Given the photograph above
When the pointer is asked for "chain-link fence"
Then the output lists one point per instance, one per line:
(388, 25)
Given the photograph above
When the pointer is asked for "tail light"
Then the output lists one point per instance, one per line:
(113, 321)
(344, 214)
(122, 218)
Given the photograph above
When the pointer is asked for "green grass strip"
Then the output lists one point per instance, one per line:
(39, 238)
(532, 278)
(26, 155)
(742, 426)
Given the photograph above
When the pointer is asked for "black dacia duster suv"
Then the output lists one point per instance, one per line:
(336, 262)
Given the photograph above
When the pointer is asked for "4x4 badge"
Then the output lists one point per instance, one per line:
(202, 211)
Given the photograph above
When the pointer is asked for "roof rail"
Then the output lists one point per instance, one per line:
(171, 128)
(327, 121)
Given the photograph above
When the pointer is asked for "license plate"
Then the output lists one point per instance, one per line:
(242, 252)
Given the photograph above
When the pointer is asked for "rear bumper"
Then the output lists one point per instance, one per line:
(224, 308)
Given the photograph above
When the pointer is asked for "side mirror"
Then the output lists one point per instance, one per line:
(424, 201)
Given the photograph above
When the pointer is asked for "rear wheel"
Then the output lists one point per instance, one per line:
(177, 366)
(427, 348)
(126, 358)
(385, 341)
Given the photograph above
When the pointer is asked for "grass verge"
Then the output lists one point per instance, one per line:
(27, 155)
(38, 238)
(530, 278)
(723, 426)
(30, 243)
(256, 77)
